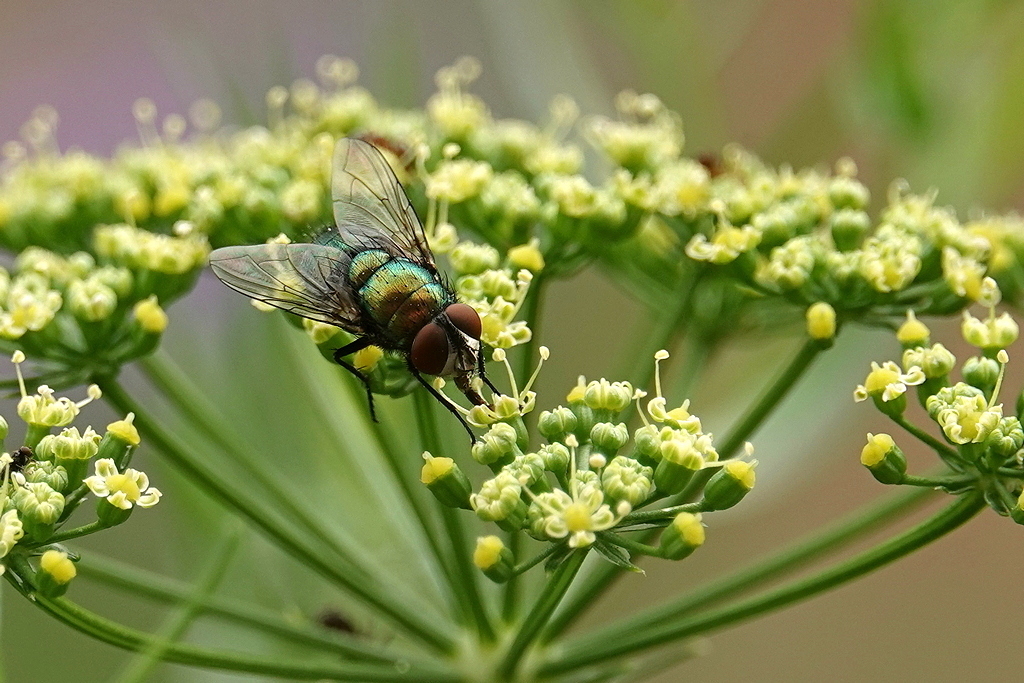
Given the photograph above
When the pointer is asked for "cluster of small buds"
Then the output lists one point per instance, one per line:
(588, 483)
(43, 481)
(981, 445)
(800, 235)
(75, 312)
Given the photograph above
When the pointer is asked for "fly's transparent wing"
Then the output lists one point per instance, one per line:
(371, 209)
(304, 279)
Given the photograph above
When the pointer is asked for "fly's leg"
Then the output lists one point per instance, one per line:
(483, 374)
(445, 401)
(352, 347)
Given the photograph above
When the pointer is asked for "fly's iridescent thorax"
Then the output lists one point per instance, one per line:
(398, 294)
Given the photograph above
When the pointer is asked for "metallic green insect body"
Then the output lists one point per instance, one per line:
(399, 294)
(371, 274)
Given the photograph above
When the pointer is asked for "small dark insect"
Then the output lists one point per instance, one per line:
(400, 151)
(712, 162)
(20, 458)
(371, 274)
(335, 620)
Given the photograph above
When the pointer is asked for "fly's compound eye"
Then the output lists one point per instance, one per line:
(465, 318)
(431, 351)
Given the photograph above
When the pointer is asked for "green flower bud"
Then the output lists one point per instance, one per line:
(848, 193)
(493, 559)
(55, 573)
(110, 515)
(625, 479)
(776, 225)
(43, 410)
(91, 300)
(50, 473)
(981, 373)
(39, 507)
(500, 500)
(11, 531)
(729, 485)
(647, 445)
(529, 469)
(849, 226)
(884, 459)
(935, 361)
(468, 258)
(608, 438)
(555, 424)
(4, 428)
(1006, 439)
(682, 536)
(1017, 511)
(679, 462)
(556, 458)
(498, 446)
(992, 334)
(73, 451)
(446, 481)
(608, 397)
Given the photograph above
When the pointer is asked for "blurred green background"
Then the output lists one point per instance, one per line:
(929, 91)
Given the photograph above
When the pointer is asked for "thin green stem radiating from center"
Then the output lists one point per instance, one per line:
(770, 399)
(595, 648)
(140, 668)
(288, 538)
(466, 589)
(554, 589)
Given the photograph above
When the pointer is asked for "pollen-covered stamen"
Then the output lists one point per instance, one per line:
(637, 395)
(18, 358)
(93, 393)
(544, 353)
(571, 443)
(439, 385)
(499, 356)
(1003, 359)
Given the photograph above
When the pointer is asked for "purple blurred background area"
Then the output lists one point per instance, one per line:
(930, 91)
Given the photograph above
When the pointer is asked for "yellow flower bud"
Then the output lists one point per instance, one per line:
(821, 321)
(913, 332)
(150, 315)
(56, 564)
(527, 256)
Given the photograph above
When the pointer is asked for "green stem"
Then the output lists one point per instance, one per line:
(153, 586)
(948, 455)
(464, 580)
(128, 638)
(194, 467)
(618, 641)
(634, 547)
(557, 584)
(934, 482)
(532, 318)
(77, 532)
(658, 515)
(770, 399)
(176, 386)
(535, 560)
(140, 668)
(510, 596)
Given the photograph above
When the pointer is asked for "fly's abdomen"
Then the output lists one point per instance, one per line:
(400, 295)
(364, 264)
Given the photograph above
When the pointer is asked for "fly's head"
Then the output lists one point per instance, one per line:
(449, 346)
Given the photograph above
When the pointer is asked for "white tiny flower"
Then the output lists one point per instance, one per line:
(123, 490)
